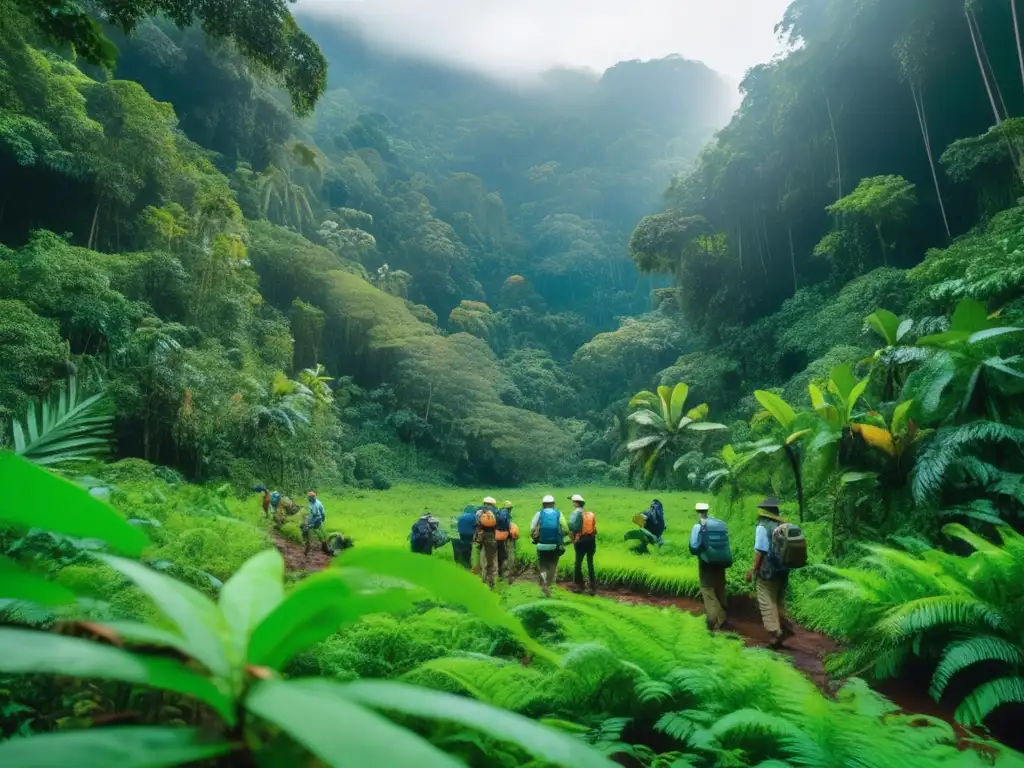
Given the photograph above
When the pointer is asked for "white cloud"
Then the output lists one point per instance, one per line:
(520, 37)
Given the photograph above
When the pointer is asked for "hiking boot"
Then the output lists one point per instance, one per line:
(546, 590)
(788, 630)
(592, 590)
(777, 640)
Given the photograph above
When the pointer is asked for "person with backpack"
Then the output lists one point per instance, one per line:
(486, 529)
(462, 547)
(654, 520)
(779, 547)
(583, 531)
(314, 524)
(506, 544)
(423, 536)
(265, 501)
(548, 530)
(709, 542)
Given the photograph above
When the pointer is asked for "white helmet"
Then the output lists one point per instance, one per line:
(701, 506)
(490, 500)
(549, 499)
(577, 497)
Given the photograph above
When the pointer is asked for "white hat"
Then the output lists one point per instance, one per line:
(549, 499)
(701, 507)
(576, 497)
(490, 500)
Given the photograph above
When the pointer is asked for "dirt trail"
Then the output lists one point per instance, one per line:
(295, 559)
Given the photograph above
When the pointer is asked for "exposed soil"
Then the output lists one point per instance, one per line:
(295, 558)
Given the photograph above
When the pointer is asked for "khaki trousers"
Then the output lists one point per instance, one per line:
(712, 589)
(488, 558)
(547, 566)
(771, 599)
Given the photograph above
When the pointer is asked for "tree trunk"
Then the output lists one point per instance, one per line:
(760, 250)
(881, 241)
(741, 246)
(92, 229)
(794, 463)
(835, 141)
(922, 120)
(792, 259)
(767, 245)
(991, 69)
(1016, 34)
(981, 66)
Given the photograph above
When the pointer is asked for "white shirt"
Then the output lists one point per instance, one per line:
(761, 541)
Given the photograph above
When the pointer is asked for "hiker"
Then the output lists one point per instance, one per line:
(709, 542)
(583, 531)
(548, 531)
(462, 547)
(486, 525)
(314, 524)
(265, 501)
(654, 520)
(281, 506)
(779, 547)
(506, 544)
(423, 537)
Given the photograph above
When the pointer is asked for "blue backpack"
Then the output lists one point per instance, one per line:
(504, 520)
(466, 524)
(275, 498)
(656, 518)
(550, 526)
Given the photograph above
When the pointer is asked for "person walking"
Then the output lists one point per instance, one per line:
(583, 531)
(709, 542)
(314, 524)
(771, 569)
(486, 527)
(462, 547)
(424, 535)
(506, 544)
(266, 502)
(548, 530)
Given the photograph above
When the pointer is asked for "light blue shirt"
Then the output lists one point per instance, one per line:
(695, 536)
(761, 540)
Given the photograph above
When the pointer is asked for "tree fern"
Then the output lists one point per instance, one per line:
(67, 428)
(964, 654)
(932, 469)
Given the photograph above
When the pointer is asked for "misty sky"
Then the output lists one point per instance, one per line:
(519, 37)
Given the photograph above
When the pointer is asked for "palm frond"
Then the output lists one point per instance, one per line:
(66, 428)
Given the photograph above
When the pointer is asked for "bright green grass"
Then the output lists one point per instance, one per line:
(383, 518)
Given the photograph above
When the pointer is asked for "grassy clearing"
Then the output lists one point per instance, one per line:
(383, 518)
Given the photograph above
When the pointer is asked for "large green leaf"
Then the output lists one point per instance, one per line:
(780, 410)
(665, 399)
(540, 742)
(313, 611)
(139, 633)
(65, 429)
(18, 584)
(991, 333)
(705, 426)
(338, 731)
(121, 746)
(442, 579)
(885, 324)
(900, 421)
(646, 399)
(196, 617)
(988, 697)
(970, 316)
(644, 442)
(27, 652)
(250, 596)
(677, 403)
(70, 510)
(944, 339)
(647, 418)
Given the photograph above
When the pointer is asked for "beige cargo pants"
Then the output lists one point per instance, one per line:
(712, 589)
(771, 599)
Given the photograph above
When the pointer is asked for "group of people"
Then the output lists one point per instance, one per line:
(277, 506)
(779, 548)
(490, 529)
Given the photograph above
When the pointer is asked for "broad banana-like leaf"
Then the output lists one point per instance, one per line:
(855, 395)
(899, 418)
(797, 436)
(876, 437)
(643, 442)
(781, 410)
(705, 426)
(904, 329)
(970, 316)
(817, 397)
(699, 412)
(646, 399)
(678, 402)
(842, 381)
(647, 418)
(665, 396)
(885, 324)
(990, 333)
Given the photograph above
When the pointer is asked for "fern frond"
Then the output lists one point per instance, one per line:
(928, 613)
(932, 469)
(676, 725)
(963, 654)
(988, 697)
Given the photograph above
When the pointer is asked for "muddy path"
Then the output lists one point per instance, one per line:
(295, 558)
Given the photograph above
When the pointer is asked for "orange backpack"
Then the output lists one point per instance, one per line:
(486, 519)
(513, 531)
(588, 525)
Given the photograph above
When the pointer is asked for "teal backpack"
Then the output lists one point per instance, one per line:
(714, 546)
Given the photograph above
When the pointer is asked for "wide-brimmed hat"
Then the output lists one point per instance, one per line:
(506, 505)
(577, 497)
(549, 499)
(490, 500)
(770, 508)
(702, 506)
